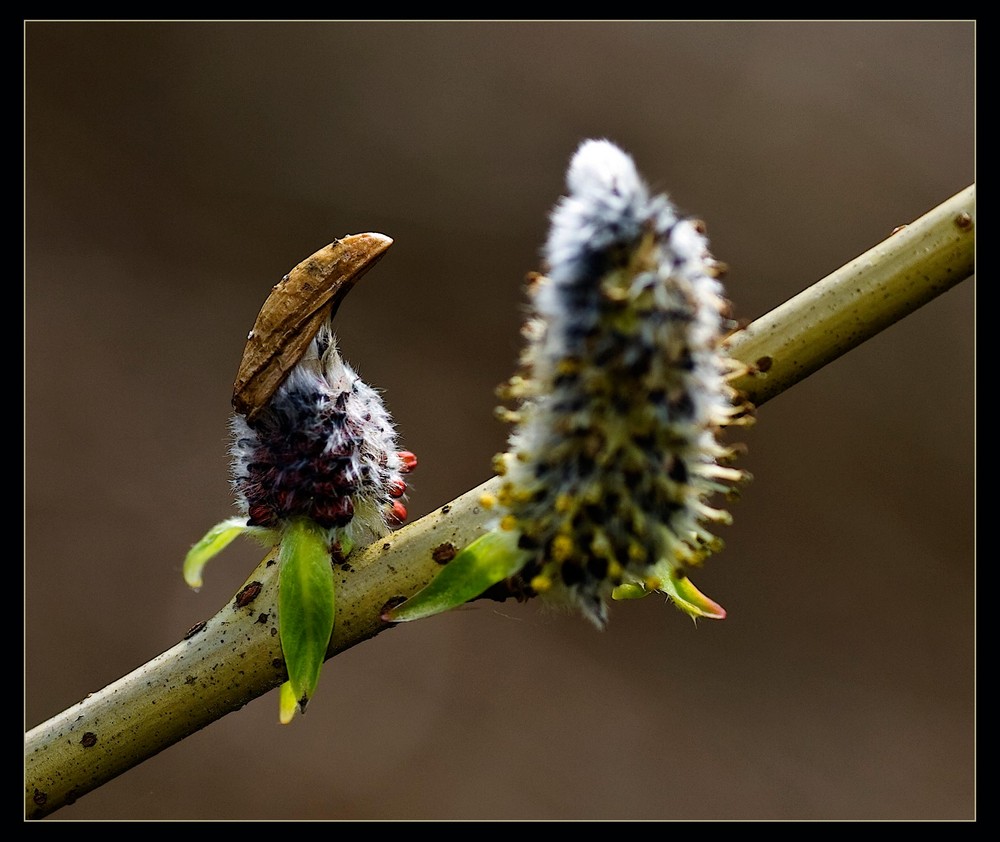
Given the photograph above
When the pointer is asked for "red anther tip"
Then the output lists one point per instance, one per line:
(408, 459)
(397, 514)
(260, 515)
(397, 489)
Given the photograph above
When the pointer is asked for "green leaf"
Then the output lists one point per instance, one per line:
(287, 703)
(305, 606)
(630, 590)
(215, 541)
(675, 584)
(686, 596)
(486, 561)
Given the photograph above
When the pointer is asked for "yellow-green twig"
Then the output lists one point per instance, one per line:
(235, 656)
(899, 275)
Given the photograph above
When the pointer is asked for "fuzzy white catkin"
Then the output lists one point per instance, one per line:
(622, 392)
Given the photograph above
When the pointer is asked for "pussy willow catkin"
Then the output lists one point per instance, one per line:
(324, 448)
(315, 466)
(622, 393)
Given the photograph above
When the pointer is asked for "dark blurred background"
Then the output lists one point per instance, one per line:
(175, 171)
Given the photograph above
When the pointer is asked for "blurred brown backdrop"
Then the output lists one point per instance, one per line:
(175, 171)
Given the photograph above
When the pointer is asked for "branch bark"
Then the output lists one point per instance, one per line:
(234, 657)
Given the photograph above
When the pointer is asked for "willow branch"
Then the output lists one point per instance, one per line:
(234, 657)
(899, 275)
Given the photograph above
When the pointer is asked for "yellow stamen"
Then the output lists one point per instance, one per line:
(562, 548)
(568, 365)
(508, 523)
(541, 583)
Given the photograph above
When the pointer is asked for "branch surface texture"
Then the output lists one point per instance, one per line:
(234, 657)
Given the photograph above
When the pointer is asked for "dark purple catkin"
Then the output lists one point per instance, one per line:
(323, 448)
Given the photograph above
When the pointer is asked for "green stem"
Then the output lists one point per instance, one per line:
(899, 275)
(235, 657)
